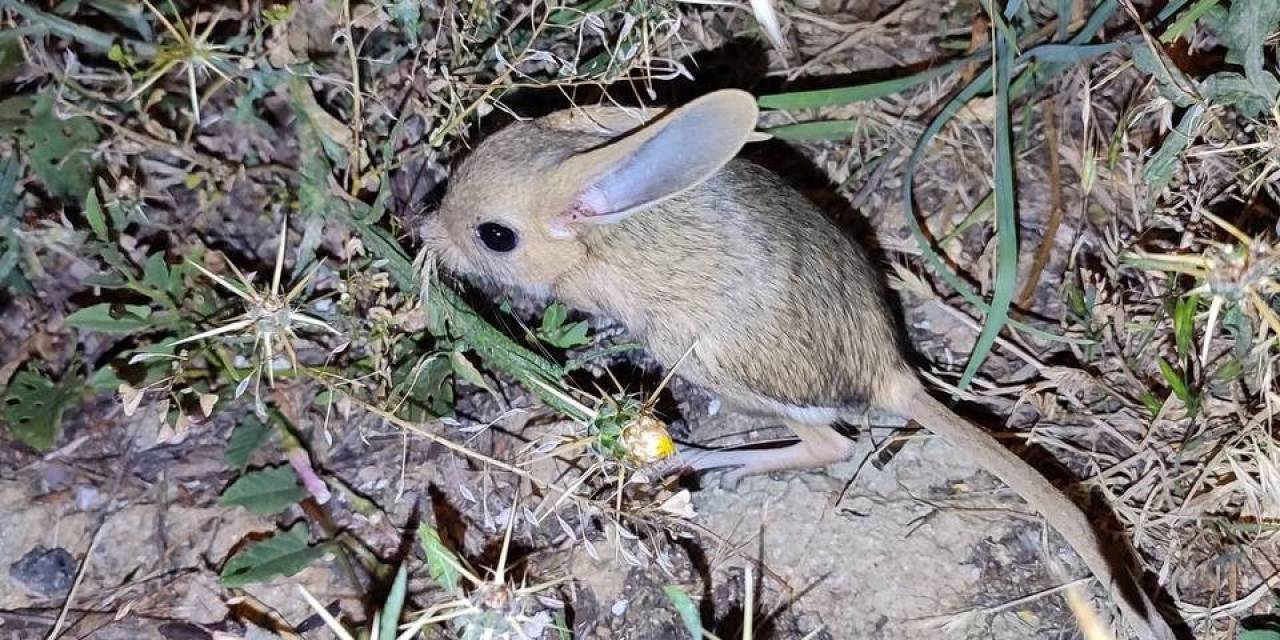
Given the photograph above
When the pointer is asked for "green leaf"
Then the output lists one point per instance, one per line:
(9, 256)
(1164, 163)
(1229, 371)
(104, 379)
(1259, 634)
(91, 38)
(441, 562)
(10, 199)
(93, 213)
(1171, 82)
(32, 406)
(16, 282)
(106, 280)
(1170, 8)
(281, 555)
(101, 318)
(687, 609)
(390, 619)
(1184, 315)
(554, 332)
(265, 491)
(60, 149)
(246, 438)
(1235, 90)
(10, 53)
(554, 316)
(155, 273)
(15, 114)
(856, 93)
(127, 13)
(1151, 402)
(463, 368)
(1177, 384)
(573, 335)
(427, 387)
(566, 336)
(1249, 24)
(1064, 18)
(562, 626)
(407, 15)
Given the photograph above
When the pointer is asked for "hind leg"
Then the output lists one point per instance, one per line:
(818, 446)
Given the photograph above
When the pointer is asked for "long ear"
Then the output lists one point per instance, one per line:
(659, 161)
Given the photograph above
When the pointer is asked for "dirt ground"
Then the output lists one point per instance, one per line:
(920, 543)
(927, 546)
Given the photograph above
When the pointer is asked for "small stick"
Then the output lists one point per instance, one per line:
(1050, 117)
(75, 586)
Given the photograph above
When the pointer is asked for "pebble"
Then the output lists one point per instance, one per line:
(44, 571)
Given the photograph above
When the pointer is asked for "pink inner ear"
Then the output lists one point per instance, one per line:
(591, 204)
(592, 207)
(586, 209)
(562, 225)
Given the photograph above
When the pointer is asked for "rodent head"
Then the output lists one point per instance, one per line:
(516, 207)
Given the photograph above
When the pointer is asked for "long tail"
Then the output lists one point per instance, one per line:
(1112, 564)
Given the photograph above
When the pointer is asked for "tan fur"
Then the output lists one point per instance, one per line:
(785, 314)
(774, 299)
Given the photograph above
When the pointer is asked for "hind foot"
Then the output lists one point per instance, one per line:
(816, 447)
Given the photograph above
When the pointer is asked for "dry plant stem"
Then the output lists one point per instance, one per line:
(357, 125)
(453, 446)
(951, 618)
(75, 586)
(438, 136)
(186, 154)
(851, 40)
(1050, 117)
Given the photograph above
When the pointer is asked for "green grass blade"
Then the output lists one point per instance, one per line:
(1097, 19)
(976, 214)
(1006, 216)
(1187, 19)
(816, 131)
(1170, 9)
(856, 93)
(1064, 19)
(977, 86)
(394, 605)
(687, 609)
(999, 21)
(1068, 53)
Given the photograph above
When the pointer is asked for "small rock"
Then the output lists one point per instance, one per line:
(87, 498)
(43, 571)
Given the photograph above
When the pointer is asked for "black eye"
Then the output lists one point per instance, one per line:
(497, 237)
